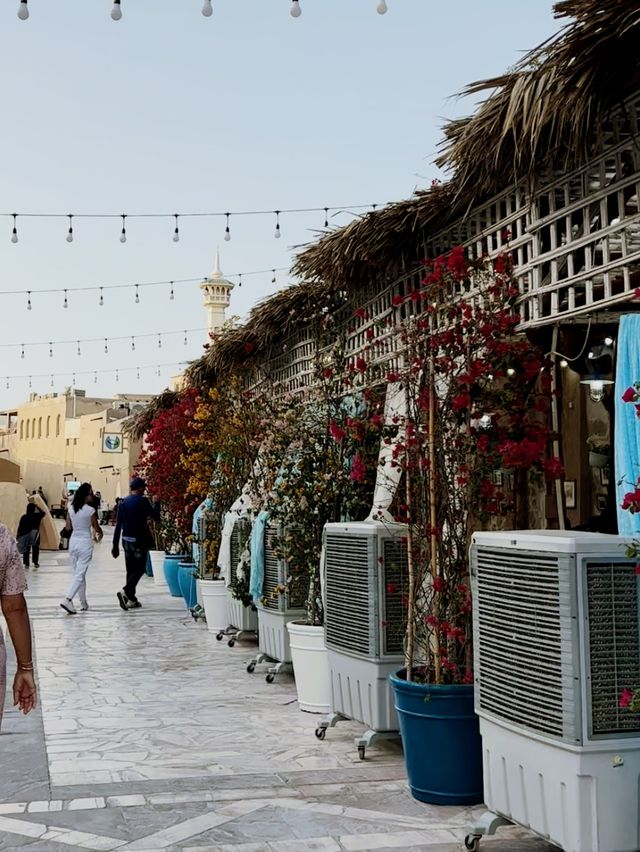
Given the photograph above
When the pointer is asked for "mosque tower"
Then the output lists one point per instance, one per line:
(216, 295)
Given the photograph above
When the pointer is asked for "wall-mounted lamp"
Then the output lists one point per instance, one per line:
(596, 387)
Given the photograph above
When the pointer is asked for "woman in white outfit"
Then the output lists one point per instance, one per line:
(83, 522)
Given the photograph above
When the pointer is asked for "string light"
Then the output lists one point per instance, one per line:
(207, 8)
(273, 280)
(80, 341)
(171, 293)
(176, 232)
(138, 373)
(73, 381)
(117, 376)
(277, 232)
(185, 337)
(116, 11)
(30, 385)
(29, 306)
(381, 8)
(137, 295)
(155, 368)
(14, 232)
(23, 10)
(240, 280)
(51, 382)
(295, 10)
(65, 304)
(70, 231)
(326, 217)
(227, 231)
(95, 378)
(101, 301)
(22, 352)
(123, 232)
(133, 344)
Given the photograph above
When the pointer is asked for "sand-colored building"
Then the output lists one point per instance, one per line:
(58, 437)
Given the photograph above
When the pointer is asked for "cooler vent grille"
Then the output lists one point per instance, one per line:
(395, 587)
(349, 593)
(614, 644)
(520, 642)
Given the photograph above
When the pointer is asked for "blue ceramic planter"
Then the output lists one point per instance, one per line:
(187, 583)
(170, 568)
(149, 568)
(441, 740)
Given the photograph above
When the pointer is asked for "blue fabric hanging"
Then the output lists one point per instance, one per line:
(627, 424)
(256, 581)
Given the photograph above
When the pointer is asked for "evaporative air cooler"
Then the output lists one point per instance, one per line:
(557, 639)
(365, 584)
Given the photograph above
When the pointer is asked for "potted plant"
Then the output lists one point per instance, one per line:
(321, 477)
(210, 585)
(476, 403)
(599, 450)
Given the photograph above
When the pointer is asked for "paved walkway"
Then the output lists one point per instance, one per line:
(151, 735)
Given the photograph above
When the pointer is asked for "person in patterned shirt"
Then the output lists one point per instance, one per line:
(14, 609)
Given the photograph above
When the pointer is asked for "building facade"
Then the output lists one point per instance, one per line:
(59, 437)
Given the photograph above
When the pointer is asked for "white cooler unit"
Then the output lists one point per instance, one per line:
(276, 609)
(364, 590)
(557, 639)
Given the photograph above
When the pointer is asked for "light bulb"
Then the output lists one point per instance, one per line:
(207, 8)
(123, 236)
(608, 341)
(277, 232)
(381, 8)
(296, 11)
(14, 236)
(564, 363)
(510, 371)
(176, 235)
(227, 235)
(23, 10)
(70, 235)
(116, 11)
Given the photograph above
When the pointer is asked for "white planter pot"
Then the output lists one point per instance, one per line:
(242, 617)
(310, 667)
(214, 600)
(157, 563)
(273, 636)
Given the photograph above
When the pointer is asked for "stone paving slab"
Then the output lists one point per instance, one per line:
(151, 735)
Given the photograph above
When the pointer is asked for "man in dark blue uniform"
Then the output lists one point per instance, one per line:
(134, 514)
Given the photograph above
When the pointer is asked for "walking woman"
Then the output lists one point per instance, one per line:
(14, 609)
(81, 520)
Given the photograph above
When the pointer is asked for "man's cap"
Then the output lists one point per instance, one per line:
(136, 483)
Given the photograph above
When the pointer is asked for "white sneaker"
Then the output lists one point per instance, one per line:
(68, 606)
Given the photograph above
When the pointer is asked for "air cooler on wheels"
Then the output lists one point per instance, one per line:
(557, 639)
(365, 583)
(276, 609)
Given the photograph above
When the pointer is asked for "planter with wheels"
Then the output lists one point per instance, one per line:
(214, 600)
(157, 562)
(170, 570)
(310, 667)
(441, 741)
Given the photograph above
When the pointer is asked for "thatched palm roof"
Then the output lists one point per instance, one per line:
(259, 338)
(540, 114)
(137, 425)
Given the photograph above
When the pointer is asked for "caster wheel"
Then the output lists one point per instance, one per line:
(361, 752)
(321, 733)
(270, 678)
(231, 643)
(220, 637)
(472, 842)
(251, 667)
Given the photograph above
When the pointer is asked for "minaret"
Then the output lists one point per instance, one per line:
(216, 294)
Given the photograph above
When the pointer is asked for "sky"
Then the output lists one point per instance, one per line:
(166, 111)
